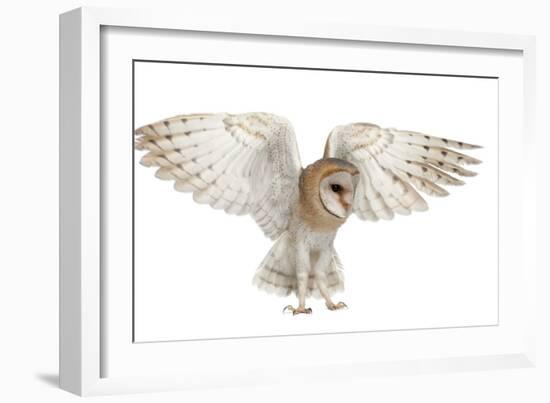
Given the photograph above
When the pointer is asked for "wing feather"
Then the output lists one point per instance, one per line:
(242, 164)
(395, 165)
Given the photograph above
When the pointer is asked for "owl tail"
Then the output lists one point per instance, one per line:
(277, 272)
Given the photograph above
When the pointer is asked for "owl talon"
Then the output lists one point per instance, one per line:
(296, 311)
(334, 307)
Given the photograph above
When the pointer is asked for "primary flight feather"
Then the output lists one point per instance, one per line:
(250, 164)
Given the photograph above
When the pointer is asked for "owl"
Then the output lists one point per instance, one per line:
(249, 164)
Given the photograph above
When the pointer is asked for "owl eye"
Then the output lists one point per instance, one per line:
(336, 188)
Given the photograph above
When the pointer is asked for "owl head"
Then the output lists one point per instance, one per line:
(327, 188)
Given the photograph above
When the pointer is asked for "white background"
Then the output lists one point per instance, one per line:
(193, 265)
(29, 202)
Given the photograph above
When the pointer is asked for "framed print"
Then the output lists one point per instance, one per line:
(331, 149)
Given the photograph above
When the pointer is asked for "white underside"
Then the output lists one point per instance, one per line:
(277, 272)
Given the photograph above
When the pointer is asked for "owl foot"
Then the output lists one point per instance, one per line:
(296, 311)
(334, 307)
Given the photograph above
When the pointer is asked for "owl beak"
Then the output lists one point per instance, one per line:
(349, 209)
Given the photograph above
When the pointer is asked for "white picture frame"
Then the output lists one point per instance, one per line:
(84, 345)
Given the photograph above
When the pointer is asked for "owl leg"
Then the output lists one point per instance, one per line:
(321, 281)
(302, 274)
(322, 284)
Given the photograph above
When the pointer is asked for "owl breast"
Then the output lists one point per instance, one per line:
(308, 236)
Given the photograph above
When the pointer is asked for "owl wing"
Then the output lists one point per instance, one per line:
(243, 164)
(395, 164)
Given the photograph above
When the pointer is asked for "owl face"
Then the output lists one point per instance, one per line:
(336, 191)
(327, 188)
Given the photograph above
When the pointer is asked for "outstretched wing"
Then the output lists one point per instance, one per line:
(394, 164)
(243, 164)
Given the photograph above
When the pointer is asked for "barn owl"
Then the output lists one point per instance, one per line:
(249, 164)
